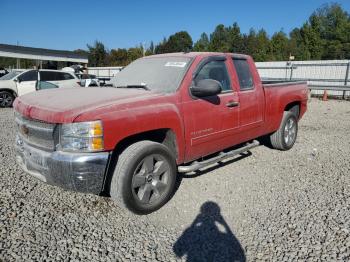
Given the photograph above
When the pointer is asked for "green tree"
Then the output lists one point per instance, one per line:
(332, 23)
(202, 45)
(178, 42)
(262, 46)
(279, 47)
(97, 54)
(257, 45)
(119, 57)
(220, 40)
(135, 53)
(235, 39)
(161, 47)
(297, 46)
(150, 49)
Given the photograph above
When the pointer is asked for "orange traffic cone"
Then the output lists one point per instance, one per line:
(325, 96)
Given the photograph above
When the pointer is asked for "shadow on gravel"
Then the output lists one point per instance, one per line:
(209, 238)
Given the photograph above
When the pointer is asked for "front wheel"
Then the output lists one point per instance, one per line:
(144, 178)
(285, 137)
(6, 99)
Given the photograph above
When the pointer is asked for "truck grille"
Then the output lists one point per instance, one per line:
(36, 133)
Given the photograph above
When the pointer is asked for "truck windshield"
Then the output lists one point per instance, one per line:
(162, 74)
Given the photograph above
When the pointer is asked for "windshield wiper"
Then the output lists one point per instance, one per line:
(135, 86)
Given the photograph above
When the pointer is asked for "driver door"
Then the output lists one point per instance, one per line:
(211, 122)
(26, 82)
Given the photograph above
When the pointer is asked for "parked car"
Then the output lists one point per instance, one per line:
(88, 80)
(19, 83)
(3, 72)
(168, 113)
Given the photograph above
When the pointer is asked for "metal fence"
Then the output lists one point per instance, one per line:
(320, 75)
(105, 72)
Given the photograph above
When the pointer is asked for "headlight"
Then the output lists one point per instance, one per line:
(82, 137)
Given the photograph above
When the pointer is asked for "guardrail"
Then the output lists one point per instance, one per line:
(320, 75)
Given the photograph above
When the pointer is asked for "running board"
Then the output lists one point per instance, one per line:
(198, 165)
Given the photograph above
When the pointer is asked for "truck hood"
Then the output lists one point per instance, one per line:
(66, 104)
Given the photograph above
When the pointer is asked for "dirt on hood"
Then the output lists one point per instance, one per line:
(65, 104)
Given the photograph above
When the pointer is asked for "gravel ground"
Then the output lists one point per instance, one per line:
(267, 205)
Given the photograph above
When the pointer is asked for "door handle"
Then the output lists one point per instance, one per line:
(232, 104)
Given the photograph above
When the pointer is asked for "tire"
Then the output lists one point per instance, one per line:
(6, 99)
(285, 137)
(144, 177)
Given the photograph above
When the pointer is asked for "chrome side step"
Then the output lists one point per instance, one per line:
(223, 155)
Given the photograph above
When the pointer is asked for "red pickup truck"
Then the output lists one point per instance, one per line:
(167, 114)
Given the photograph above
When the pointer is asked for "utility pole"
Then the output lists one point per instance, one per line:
(143, 48)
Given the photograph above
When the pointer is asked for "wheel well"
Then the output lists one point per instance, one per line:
(163, 136)
(10, 91)
(293, 107)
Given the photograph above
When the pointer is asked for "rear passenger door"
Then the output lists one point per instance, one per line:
(251, 96)
(57, 78)
(48, 76)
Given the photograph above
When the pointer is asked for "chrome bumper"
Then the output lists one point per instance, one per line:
(81, 172)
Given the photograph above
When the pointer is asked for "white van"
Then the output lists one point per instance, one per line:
(19, 83)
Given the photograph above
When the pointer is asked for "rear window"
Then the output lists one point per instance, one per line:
(244, 75)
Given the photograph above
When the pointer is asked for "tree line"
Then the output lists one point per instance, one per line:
(326, 35)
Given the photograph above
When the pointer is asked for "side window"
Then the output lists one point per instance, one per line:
(244, 75)
(67, 76)
(47, 76)
(31, 75)
(45, 85)
(60, 76)
(215, 70)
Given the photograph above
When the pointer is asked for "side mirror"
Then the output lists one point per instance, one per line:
(206, 87)
(17, 80)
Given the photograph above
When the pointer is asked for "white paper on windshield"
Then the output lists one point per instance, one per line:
(176, 64)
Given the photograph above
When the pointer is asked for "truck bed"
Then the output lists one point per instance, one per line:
(277, 95)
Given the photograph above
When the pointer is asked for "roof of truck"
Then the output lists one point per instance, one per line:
(195, 54)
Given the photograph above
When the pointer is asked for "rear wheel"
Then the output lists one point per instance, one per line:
(285, 137)
(144, 178)
(6, 99)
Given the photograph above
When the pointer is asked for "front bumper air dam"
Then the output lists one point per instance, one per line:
(81, 172)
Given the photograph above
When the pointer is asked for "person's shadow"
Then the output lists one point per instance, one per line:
(209, 238)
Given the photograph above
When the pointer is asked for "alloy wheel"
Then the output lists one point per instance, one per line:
(5, 100)
(150, 180)
(290, 131)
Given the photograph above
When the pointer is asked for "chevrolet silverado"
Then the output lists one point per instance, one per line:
(166, 114)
